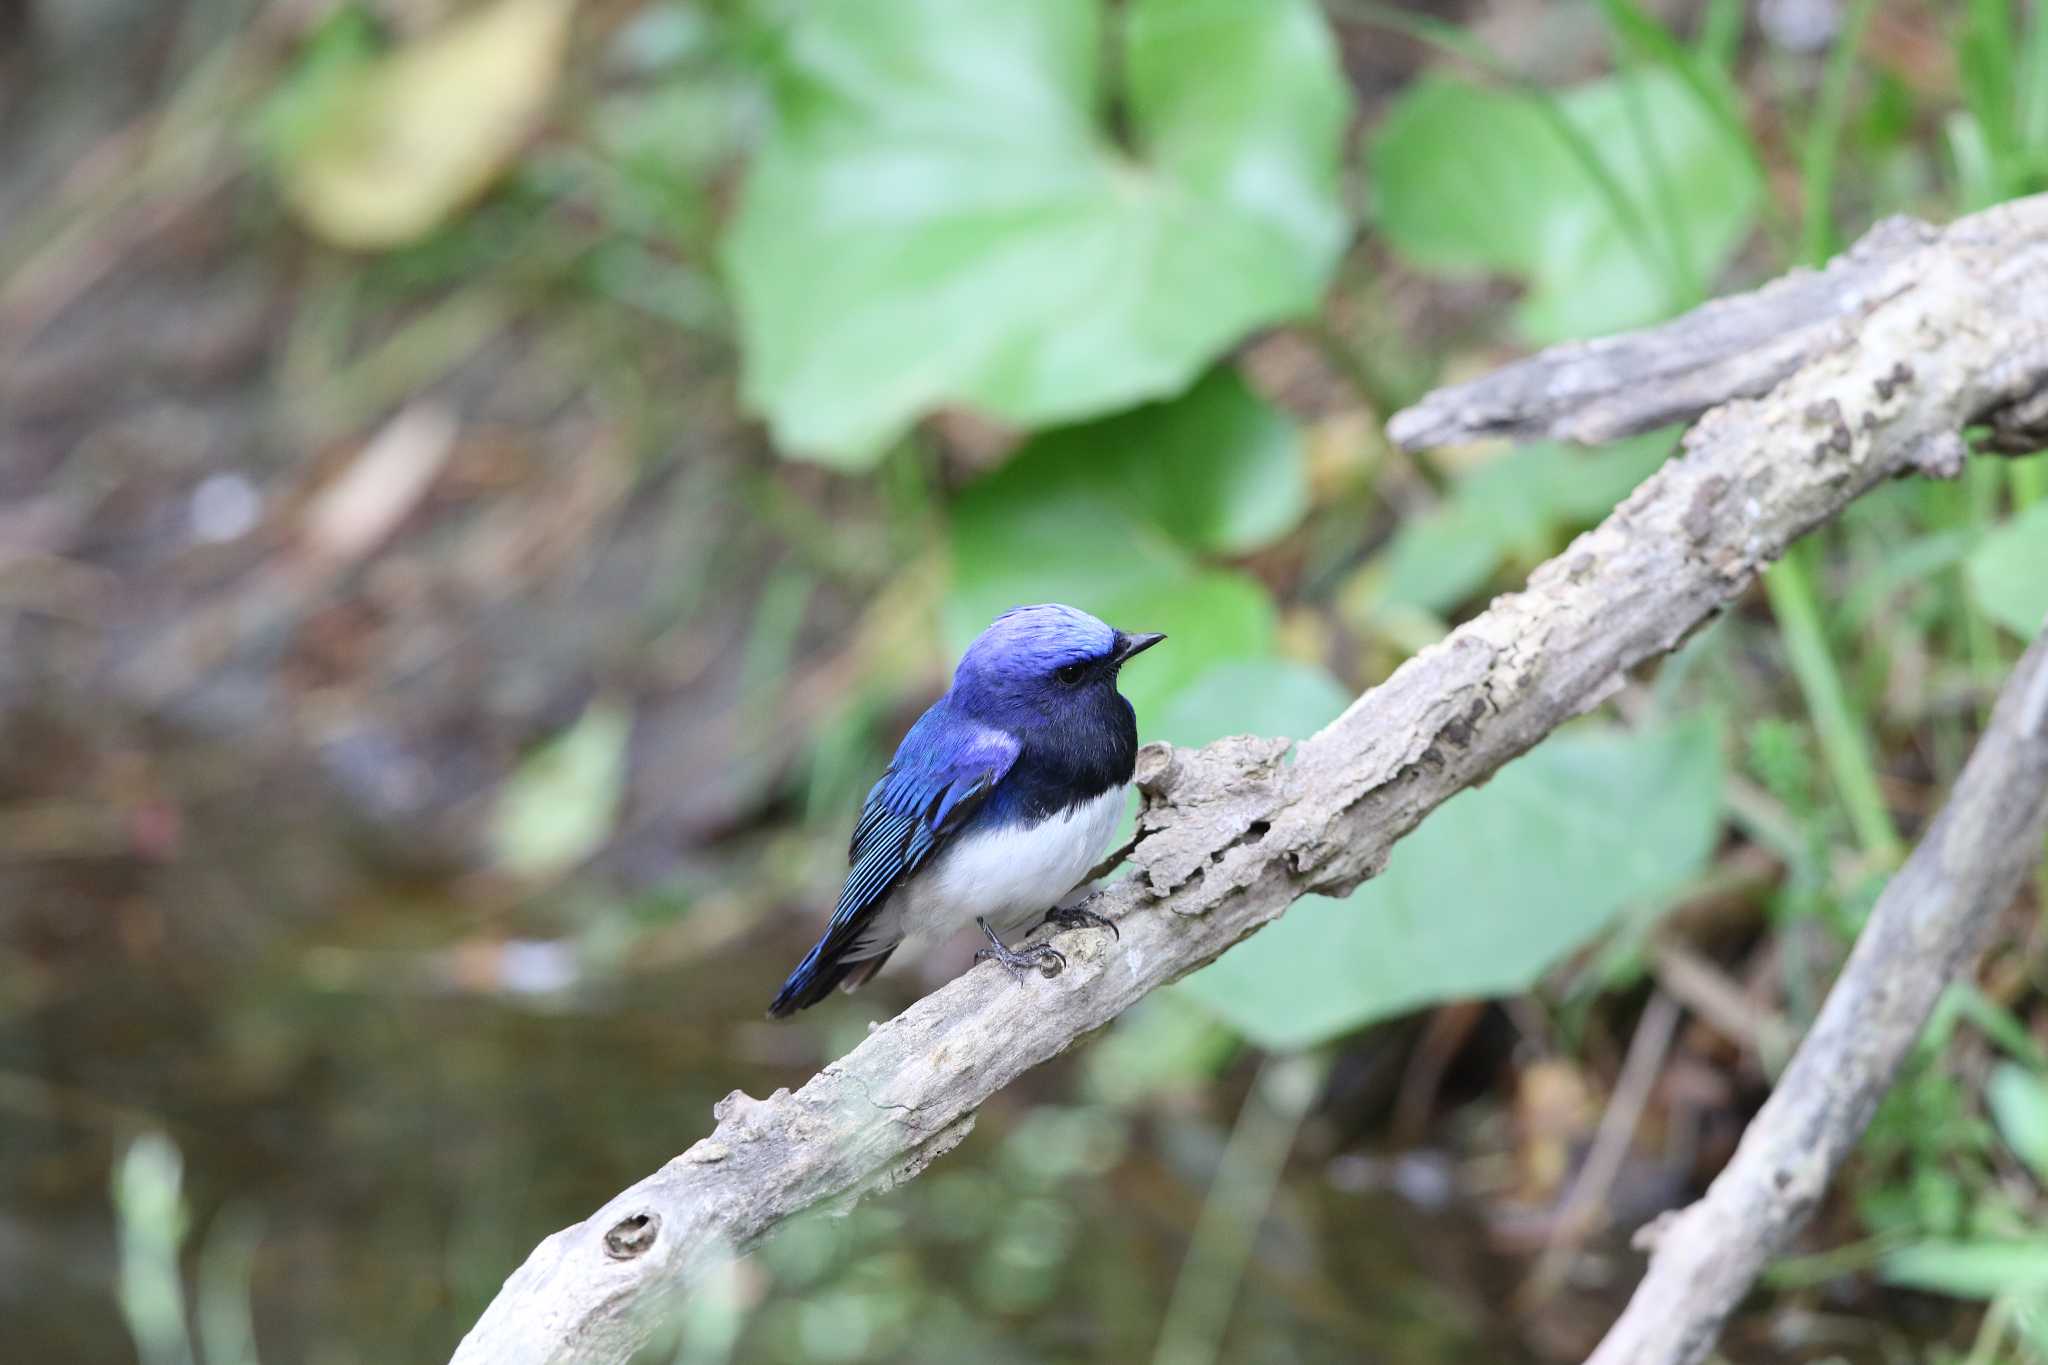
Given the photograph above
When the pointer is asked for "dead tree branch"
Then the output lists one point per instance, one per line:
(1926, 931)
(1947, 329)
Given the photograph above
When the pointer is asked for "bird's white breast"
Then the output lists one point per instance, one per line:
(1010, 875)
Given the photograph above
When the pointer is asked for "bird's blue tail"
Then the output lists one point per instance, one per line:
(815, 977)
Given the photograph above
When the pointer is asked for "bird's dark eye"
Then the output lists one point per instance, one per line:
(1072, 673)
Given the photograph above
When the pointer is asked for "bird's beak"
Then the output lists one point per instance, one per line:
(1129, 645)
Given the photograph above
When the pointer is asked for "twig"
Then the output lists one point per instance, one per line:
(1646, 1053)
(1704, 989)
(1925, 932)
(1740, 347)
(1198, 1314)
(1953, 328)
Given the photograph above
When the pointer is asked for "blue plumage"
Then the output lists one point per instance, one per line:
(1002, 791)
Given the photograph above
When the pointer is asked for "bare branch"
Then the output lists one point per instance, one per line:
(1739, 347)
(1230, 836)
(1925, 932)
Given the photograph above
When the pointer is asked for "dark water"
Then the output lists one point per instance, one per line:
(400, 1142)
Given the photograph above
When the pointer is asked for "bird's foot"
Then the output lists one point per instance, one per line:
(1049, 960)
(1074, 917)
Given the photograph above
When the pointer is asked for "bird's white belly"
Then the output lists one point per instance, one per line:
(1009, 875)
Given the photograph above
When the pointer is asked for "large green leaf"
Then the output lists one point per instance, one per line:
(1217, 469)
(1108, 516)
(1469, 178)
(943, 213)
(2008, 572)
(1489, 892)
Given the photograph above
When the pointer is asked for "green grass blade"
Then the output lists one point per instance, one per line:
(1682, 281)
(1720, 38)
(1703, 75)
(1822, 146)
(1793, 602)
(1628, 22)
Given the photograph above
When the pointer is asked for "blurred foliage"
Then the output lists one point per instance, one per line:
(951, 208)
(1650, 193)
(2000, 138)
(559, 808)
(377, 153)
(1074, 300)
(2005, 1260)
(2008, 572)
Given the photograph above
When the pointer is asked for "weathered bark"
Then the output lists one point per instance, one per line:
(1943, 330)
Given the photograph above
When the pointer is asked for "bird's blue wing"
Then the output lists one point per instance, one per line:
(942, 773)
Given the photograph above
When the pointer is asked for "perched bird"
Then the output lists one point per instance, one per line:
(998, 802)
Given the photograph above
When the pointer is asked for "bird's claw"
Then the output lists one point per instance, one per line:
(1049, 960)
(1074, 917)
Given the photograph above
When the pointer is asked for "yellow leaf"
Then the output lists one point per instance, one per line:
(424, 131)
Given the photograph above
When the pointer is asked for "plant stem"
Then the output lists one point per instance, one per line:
(1823, 140)
(1790, 589)
(1199, 1312)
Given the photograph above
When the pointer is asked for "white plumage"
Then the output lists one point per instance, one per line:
(1009, 876)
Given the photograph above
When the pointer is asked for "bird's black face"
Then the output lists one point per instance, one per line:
(1070, 706)
(1079, 733)
(1103, 668)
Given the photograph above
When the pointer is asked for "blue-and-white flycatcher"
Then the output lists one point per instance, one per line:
(997, 804)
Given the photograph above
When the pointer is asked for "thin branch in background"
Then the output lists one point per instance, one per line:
(1926, 931)
(1199, 1312)
(1722, 1003)
(1575, 1216)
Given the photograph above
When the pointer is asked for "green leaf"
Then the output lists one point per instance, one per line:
(1474, 179)
(943, 214)
(1489, 892)
(314, 88)
(1257, 697)
(1216, 469)
(561, 805)
(1514, 506)
(2019, 1102)
(1970, 1270)
(2008, 572)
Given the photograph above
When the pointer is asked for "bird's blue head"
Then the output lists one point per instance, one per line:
(1047, 665)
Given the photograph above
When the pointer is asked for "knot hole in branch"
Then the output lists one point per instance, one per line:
(633, 1236)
